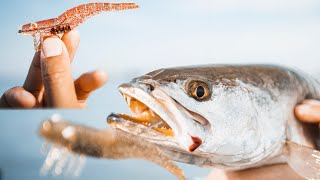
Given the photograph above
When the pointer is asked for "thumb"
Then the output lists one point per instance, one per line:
(56, 74)
(308, 111)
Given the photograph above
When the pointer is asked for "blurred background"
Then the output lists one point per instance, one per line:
(162, 33)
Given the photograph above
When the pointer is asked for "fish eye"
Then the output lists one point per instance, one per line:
(198, 90)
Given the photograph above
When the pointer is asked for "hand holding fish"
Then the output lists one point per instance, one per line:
(49, 82)
(308, 111)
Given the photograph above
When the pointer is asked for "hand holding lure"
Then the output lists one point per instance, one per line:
(69, 20)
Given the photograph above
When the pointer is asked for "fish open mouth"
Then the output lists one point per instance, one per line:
(144, 115)
(159, 117)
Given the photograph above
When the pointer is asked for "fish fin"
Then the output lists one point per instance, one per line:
(305, 161)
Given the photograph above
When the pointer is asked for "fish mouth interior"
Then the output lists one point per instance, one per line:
(144, 115)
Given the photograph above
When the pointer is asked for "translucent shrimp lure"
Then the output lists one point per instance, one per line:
(70, 140)
(69, 20)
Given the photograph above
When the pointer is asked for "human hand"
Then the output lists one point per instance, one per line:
(49, 82)
(308, 111)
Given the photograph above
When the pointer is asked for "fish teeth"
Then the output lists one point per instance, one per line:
(128, 99)
(146, 123)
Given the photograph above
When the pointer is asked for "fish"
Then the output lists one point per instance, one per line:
(232, 117)
(69, 139)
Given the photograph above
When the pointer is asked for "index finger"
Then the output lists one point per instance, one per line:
(33, 82)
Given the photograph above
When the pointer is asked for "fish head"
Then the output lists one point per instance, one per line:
(191, 111)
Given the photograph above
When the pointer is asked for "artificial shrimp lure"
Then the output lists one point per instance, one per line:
(69, 139)
(69, 20)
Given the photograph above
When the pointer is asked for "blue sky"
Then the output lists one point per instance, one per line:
(173, 33)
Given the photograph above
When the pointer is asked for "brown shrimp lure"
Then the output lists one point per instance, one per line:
(69, 20)
(69, 139)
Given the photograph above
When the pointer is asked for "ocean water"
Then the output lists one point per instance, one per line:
(20, 156)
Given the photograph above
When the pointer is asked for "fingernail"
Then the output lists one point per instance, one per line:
(51, 47)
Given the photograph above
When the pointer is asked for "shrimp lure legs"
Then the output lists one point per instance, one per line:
(69, 20)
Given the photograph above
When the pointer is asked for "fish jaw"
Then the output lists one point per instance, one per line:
(187, 135)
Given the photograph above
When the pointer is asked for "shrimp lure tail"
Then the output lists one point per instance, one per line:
(304, 161)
